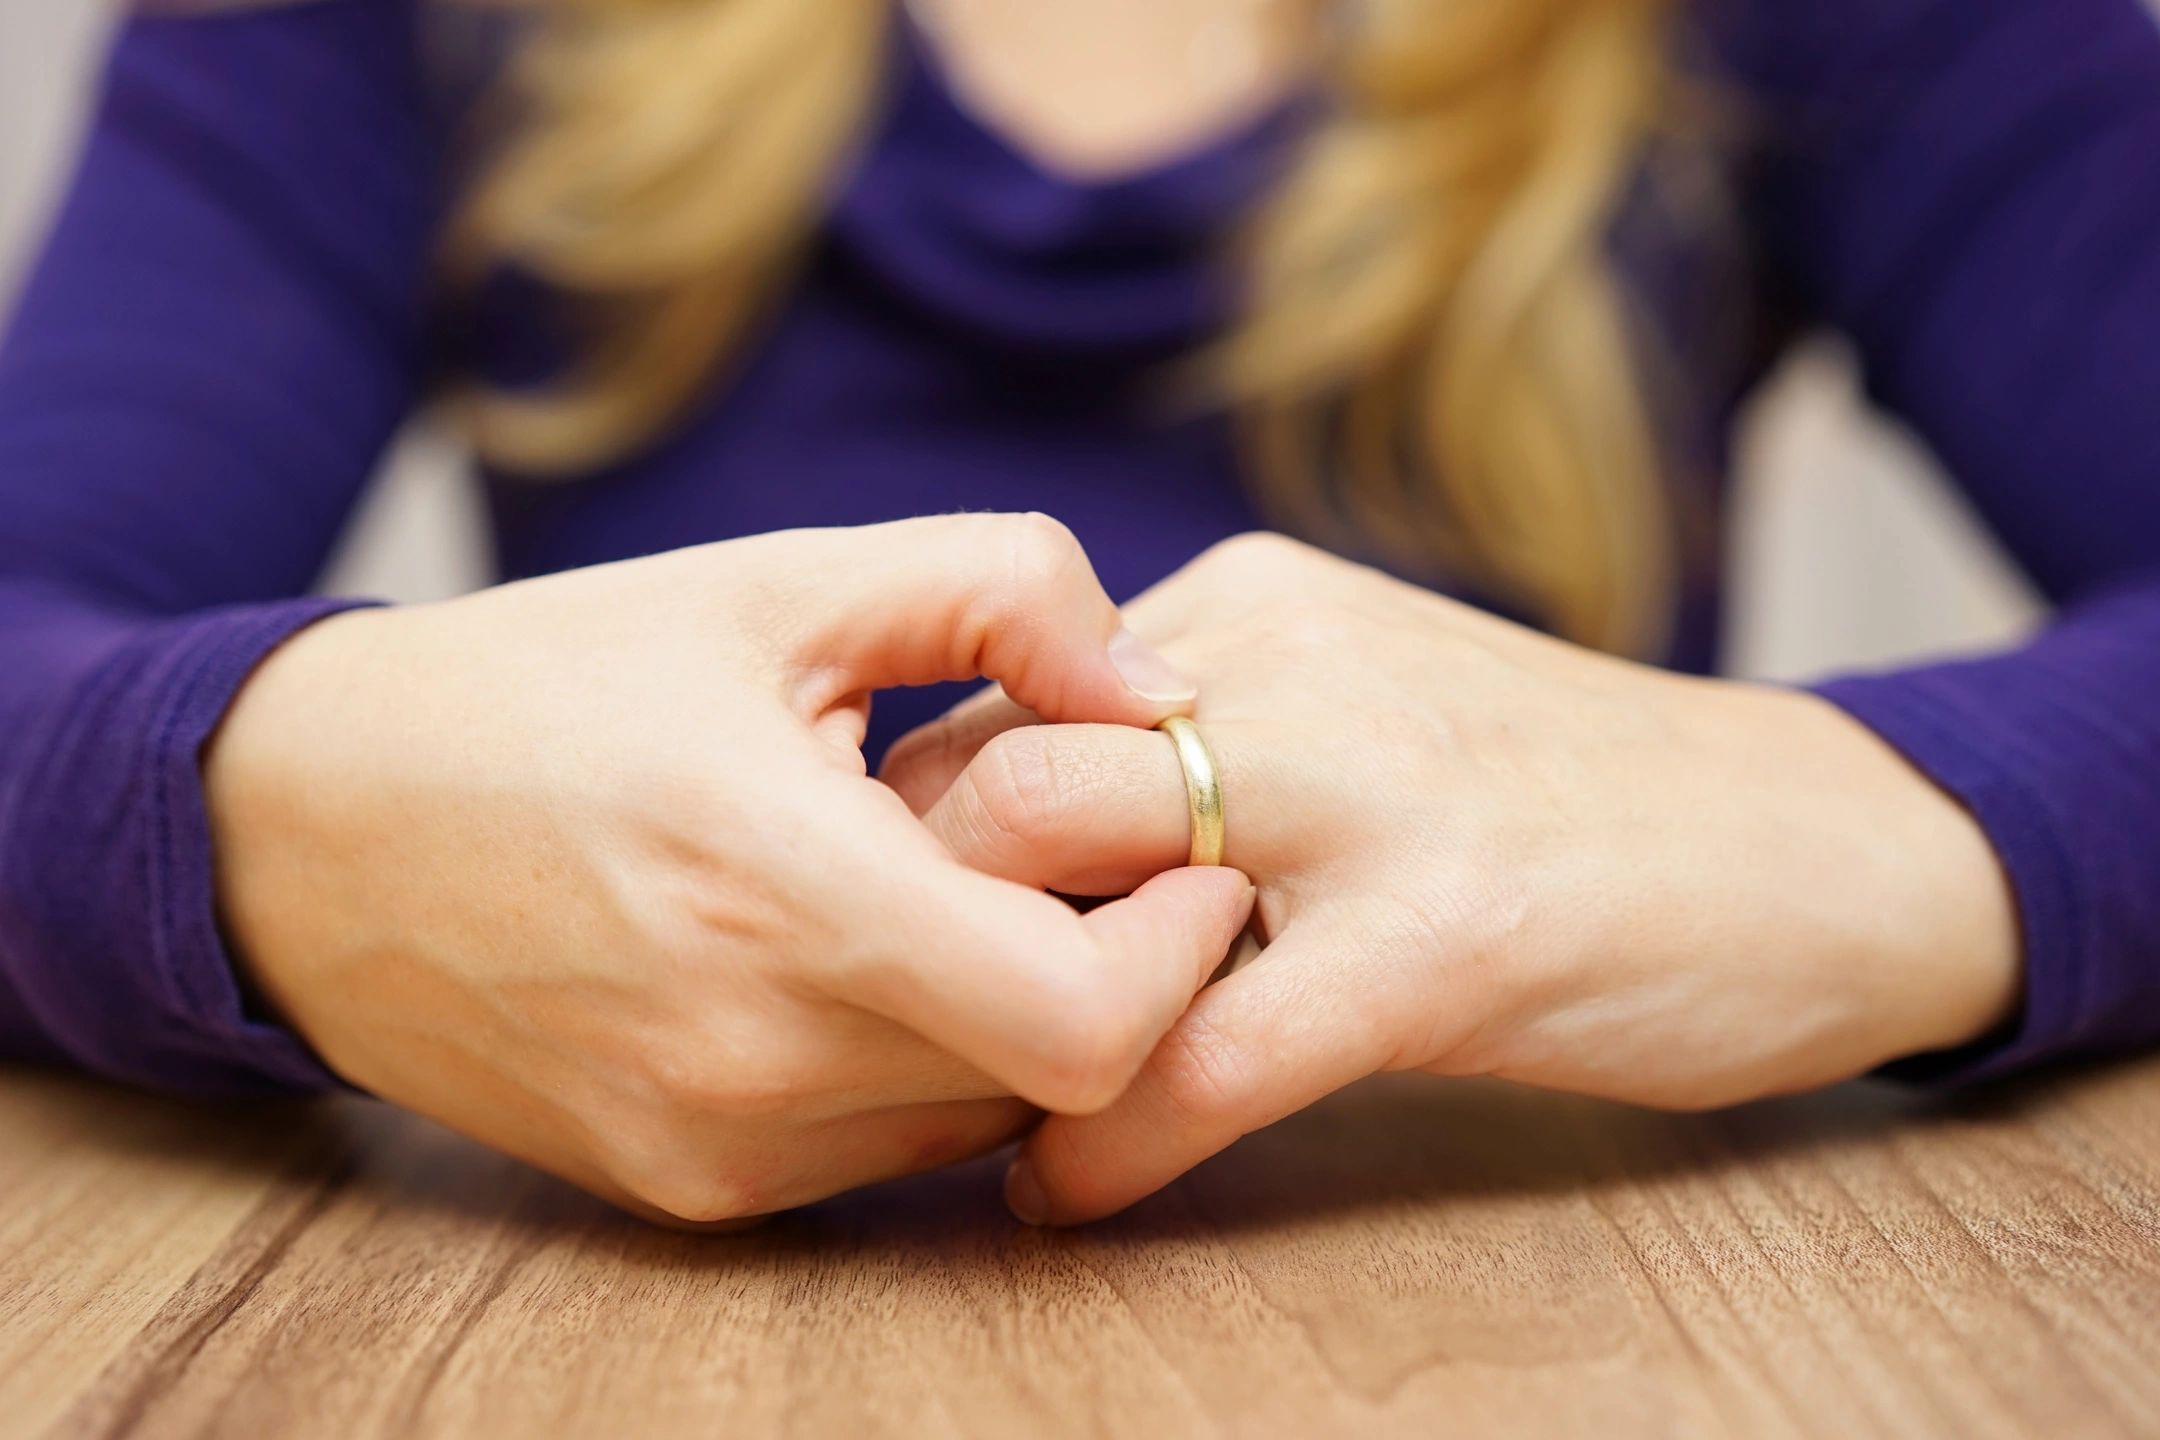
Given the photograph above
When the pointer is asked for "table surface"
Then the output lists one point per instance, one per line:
(1412, 1257)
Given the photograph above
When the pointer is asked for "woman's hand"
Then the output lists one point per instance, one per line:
(1480, 851)
(589, 867)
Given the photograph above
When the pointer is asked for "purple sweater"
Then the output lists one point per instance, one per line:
(233, 315)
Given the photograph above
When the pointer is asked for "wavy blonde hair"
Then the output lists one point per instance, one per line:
(1435, 360)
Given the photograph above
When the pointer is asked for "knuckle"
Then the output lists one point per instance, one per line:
(1038, 547)
(698, 1197)
(1254, 551)
(1030, 563)
(680, 1169)
(704, 1083)
(754, 1095)
(1199, 1073)
(1094, 1044)
(919, 753)
(1020, 785)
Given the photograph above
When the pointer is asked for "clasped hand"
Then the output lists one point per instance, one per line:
(1479, 851)
(590, 868)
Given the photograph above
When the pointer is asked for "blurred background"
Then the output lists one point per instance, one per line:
(1850, 548)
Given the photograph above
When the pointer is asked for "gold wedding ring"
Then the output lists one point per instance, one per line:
(1203, 791)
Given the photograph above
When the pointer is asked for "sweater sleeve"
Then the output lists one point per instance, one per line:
(223, 331)
(1970, 189)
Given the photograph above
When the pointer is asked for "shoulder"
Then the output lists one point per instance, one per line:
(307, 126)
(1848, 51)
(298, 69)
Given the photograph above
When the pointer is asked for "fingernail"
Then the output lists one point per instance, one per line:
(1149, 675)
(1024, 1194)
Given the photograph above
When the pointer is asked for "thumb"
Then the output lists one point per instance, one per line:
(1011, 598)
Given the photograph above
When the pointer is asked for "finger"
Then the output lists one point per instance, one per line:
(1062, 1009)
(851, 1151)
(921, 765)
(843, 726)
(1266, 1042)
(870, 1061)
(575, 1168)
(1082, 809)
(652, 1214)
(1009, 597)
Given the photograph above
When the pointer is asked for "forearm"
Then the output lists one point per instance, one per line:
(225, 326)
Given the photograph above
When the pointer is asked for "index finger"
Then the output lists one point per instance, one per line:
(1012, 598)
(1260, 1045)
(1061, 1008)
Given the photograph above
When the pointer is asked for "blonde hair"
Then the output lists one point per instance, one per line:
(1435, 360)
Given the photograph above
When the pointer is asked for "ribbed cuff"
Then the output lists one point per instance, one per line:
(205, 1006)
(1956, 749)
(108, 912)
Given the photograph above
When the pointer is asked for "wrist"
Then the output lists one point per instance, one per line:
(263, 774)
(1935, 950)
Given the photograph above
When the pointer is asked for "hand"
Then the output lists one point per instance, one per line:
(1479, 851)
(589, 867)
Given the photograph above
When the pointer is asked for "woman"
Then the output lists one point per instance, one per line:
(588, 865)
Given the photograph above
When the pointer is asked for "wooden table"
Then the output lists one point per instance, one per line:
(1414, 1257)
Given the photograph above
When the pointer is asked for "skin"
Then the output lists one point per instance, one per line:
(615, 896)
(1093, 88)
(1479, 851)
(589, 867)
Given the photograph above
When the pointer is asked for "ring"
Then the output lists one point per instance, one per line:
(1203, 792)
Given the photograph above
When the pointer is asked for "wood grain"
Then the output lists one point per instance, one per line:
(1413, 1257)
